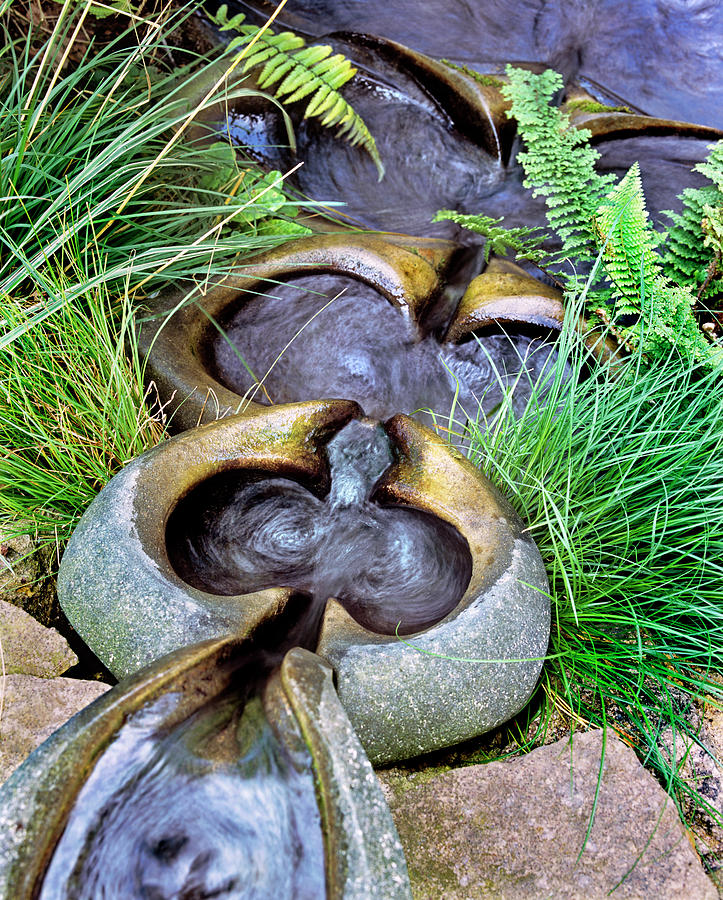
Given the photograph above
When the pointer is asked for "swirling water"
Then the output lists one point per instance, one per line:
(213, 807)
(392, 568)
(332, 336)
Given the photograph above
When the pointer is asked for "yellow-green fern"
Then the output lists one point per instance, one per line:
(303, 72)
(662, 311)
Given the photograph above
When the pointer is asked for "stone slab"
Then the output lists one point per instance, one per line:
(30, 648)
(33, 708)
(514, 830)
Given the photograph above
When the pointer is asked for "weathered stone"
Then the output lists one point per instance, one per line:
(116, 584)
(33, 708)
(466, 674)
(24, 580)
(30, 648)
(477, 667)
(362, 856)
(514, 830)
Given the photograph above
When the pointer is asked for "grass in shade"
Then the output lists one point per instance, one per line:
(619, 475)
(73, 410)
(104, 196)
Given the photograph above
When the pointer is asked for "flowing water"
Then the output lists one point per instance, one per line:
(214, 807)
(390, 567)
(661, 57)
(332, 336)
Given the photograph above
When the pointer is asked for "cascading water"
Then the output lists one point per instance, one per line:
(392, 568)
(333, 336)
(211, 806)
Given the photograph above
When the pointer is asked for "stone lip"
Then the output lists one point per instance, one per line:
(116, 584)
(365, 859)
(515, 830)
(363, 856)
(505, 295)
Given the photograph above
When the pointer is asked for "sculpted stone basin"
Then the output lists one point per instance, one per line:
(306, 584)
(390, 325)
(161, 558)
(212, 773)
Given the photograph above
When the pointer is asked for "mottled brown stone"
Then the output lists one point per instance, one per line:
(517, 830)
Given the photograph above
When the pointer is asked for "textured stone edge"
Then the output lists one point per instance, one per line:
(406, 700)
(105, 560)
(368, 861)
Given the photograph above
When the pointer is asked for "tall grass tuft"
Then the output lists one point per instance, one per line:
(73, 410)
(96, 164)
(103, 197)
(619, 475)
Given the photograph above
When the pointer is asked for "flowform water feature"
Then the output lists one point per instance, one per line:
(234, 764)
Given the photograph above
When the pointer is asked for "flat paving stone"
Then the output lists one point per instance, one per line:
(33, 708)
(30, 648)
(513, 830)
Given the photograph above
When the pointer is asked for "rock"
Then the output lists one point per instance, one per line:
(700, 764)
(30, 648)
(33, 708)
(513, 830)
(24, 580)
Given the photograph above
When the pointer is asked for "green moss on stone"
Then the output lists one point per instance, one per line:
(592, 106)
(486, 80)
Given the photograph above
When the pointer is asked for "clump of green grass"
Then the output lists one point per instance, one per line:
(73, 410)
(103, 197)
(97, 163)
(617, 472)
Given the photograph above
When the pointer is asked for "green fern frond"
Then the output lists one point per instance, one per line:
(712, 167)
(523, 242)
(691, 252)
(663, 310)
(558, 162)
(623, 231)
(301, 72)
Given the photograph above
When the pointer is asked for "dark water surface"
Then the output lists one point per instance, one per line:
(662, 57)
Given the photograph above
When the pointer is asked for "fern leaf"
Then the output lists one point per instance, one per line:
(712, 167)
(558, 162)
(690, 253)
(274, 70)
(664, 310)
(335, 112)
(523, 242)
(301, 72)
(317, 102)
